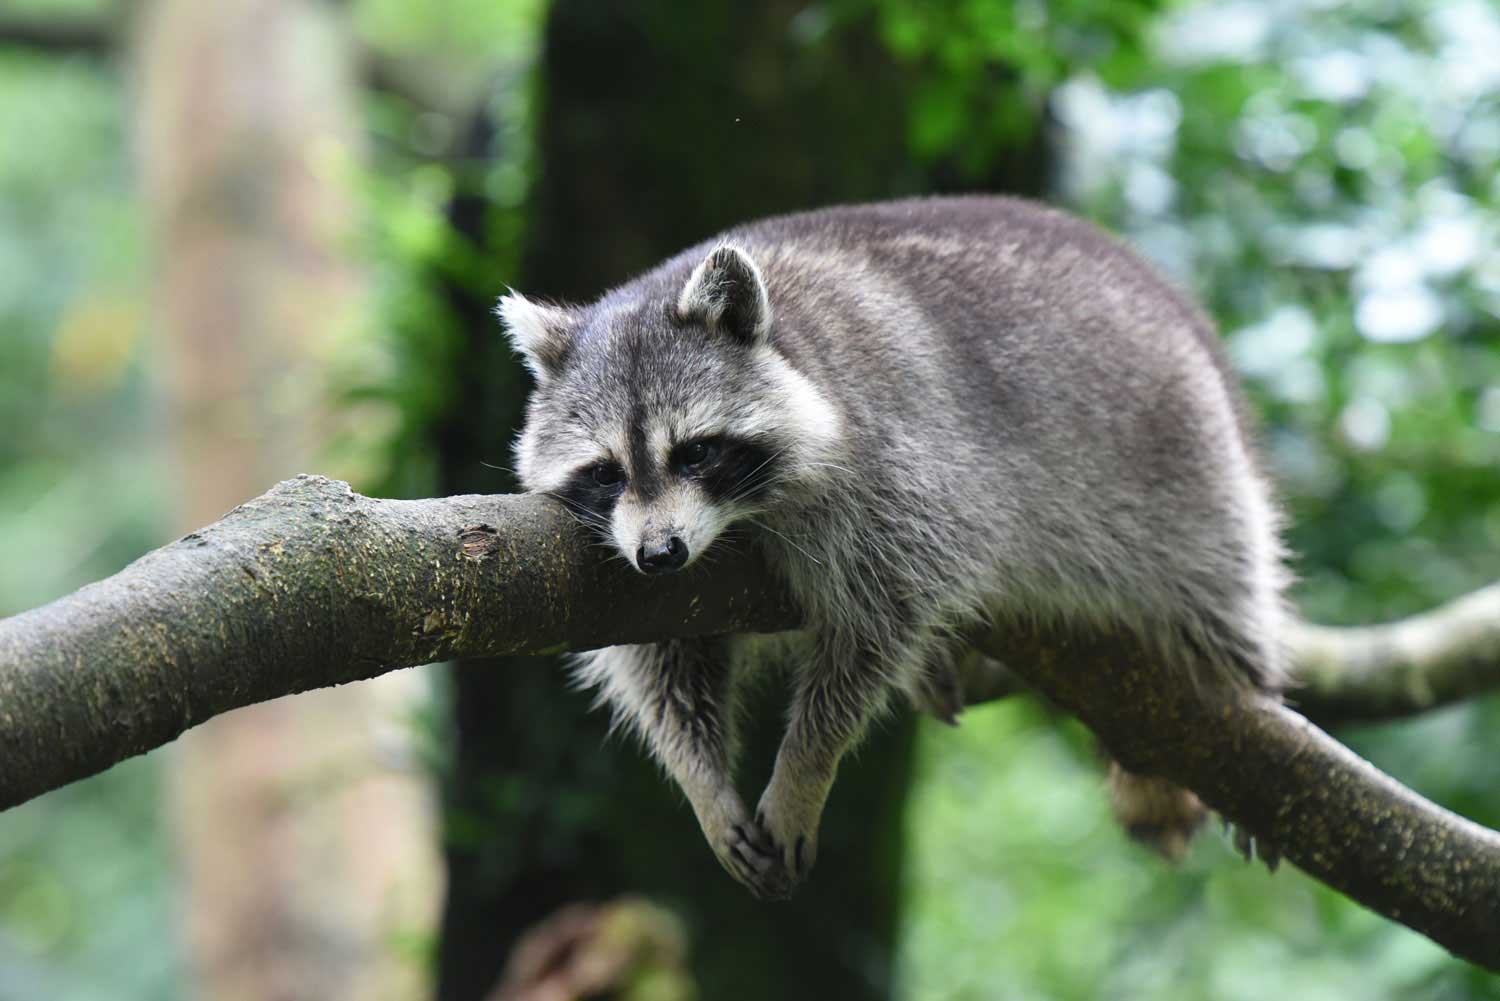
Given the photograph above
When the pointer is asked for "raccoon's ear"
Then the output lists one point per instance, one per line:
(543, 334)
(727, 293)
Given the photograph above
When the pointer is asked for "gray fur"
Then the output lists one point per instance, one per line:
(980, 410)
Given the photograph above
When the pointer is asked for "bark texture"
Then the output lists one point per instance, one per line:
(313, 585)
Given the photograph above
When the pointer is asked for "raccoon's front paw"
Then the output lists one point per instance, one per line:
(751, 857)
(793, 827)
(745, 850)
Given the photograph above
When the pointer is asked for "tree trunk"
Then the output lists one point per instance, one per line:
(657, 131)
(304, 851)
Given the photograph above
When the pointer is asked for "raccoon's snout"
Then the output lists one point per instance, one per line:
(662, 557)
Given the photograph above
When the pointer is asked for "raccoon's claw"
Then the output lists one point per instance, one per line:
(940, 698)
(797, 850)
(939, 690)
(751, 857)
(742, 846)
(1252, 847)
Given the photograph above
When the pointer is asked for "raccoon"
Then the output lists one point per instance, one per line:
(931, 415)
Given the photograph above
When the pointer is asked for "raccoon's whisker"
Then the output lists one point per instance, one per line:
(804, 552)
(745, 487)
(592, 519)
(748, 484)
(767, 461)
(589, 520)
(738, 497)
(594, 526)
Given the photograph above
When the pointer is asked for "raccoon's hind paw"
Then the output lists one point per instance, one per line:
(1155, 812)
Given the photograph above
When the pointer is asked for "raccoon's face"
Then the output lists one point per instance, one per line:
(662, 421)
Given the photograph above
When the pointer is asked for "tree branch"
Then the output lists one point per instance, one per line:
(1282, 779)
(313, 585)
(60, 35)
(1359, 674)
(1400, 668)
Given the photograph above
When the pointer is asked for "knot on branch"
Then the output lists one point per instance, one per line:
(478, 542)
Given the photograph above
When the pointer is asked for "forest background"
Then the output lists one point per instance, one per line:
(246, 239)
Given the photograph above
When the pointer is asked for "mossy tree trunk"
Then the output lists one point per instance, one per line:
(656, 131)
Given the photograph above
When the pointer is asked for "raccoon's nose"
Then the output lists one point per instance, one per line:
(662, 557)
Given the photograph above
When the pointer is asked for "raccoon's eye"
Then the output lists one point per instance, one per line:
(607, 474)
(696, 453)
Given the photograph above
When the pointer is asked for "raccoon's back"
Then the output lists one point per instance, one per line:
(1022, 392)
(996, 278)
(1021, 318)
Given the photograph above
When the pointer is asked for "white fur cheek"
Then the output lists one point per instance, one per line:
(551, 472)
(814, 422)
(529, 467)
(546, 462)
(699, 522)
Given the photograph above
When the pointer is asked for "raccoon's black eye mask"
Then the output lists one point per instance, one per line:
(735, 469)
(592, 491)
(728, 469)
(607, 474)
(693, 456)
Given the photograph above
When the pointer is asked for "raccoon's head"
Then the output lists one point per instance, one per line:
(663, 413)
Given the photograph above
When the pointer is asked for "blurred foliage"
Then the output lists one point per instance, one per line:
(1023, 887)
(72, 390)
(87, 882)
(85, 878)
(87, 893)
(994, 63)
(424, 160)
(1325, 176)
(66, 8)
(1322, 176)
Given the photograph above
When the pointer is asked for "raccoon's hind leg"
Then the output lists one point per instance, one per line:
(938, 688)
(955, 675)
(1236, 651)
(678, 695)
(1155, 812)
